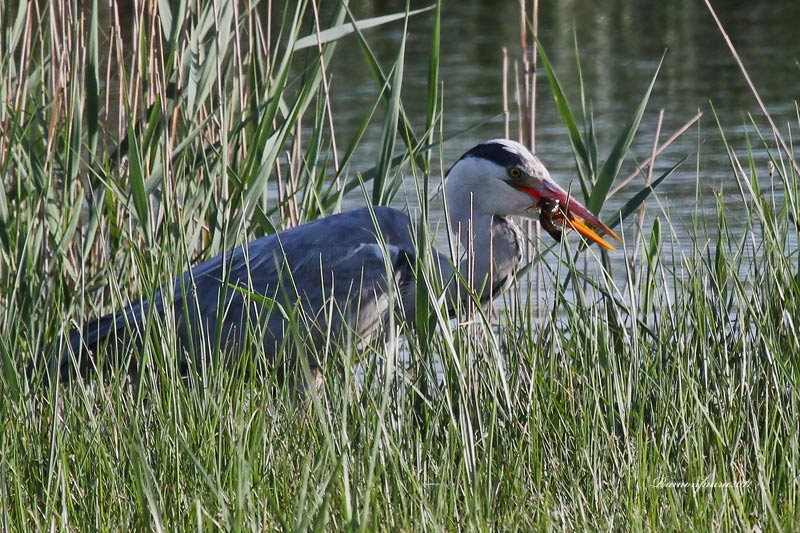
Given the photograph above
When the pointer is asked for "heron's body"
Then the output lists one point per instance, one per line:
(342, 276)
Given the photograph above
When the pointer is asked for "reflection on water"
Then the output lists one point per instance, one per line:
(621, 44)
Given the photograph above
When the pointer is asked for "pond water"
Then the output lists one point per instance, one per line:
(621, 43)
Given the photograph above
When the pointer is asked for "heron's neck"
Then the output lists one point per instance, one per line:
(490, 250)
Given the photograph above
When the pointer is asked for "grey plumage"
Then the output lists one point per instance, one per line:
(325, 272)
(341, 277)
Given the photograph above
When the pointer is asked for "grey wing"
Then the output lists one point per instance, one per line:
(336, 275)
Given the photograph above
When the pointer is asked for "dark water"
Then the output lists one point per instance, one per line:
(621, 44)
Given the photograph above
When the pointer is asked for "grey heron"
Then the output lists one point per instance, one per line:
(336, 273)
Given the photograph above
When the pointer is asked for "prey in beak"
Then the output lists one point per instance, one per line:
(558, 210)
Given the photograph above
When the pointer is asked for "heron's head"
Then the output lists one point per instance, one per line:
(501, 177)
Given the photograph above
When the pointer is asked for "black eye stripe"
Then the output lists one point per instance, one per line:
(497, 153)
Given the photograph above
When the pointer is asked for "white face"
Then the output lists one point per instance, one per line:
(485, 187)
(502, 177)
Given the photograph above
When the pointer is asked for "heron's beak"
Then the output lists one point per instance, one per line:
(568, 211)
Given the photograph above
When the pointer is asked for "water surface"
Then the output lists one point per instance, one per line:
(620, 46)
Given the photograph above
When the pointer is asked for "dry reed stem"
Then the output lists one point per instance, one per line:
(649, 160)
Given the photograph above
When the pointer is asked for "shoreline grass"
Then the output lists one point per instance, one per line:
(667, 400)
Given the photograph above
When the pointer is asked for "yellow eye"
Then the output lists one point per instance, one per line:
(514, 173)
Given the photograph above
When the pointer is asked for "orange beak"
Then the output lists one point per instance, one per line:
(569, 212)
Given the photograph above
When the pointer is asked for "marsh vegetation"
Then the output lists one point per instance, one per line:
(654, 387)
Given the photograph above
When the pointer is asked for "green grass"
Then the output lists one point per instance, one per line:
(664, 395)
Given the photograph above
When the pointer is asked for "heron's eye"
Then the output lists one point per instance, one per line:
(515, 173)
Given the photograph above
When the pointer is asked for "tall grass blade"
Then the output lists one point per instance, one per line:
(138, 190)
(610, 170)
(582, 156)
(93, 82)
(337, 32)
(636, 201)
(382, 188)
(406, 131)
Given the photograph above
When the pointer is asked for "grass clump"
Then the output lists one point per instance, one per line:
(662, 392)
